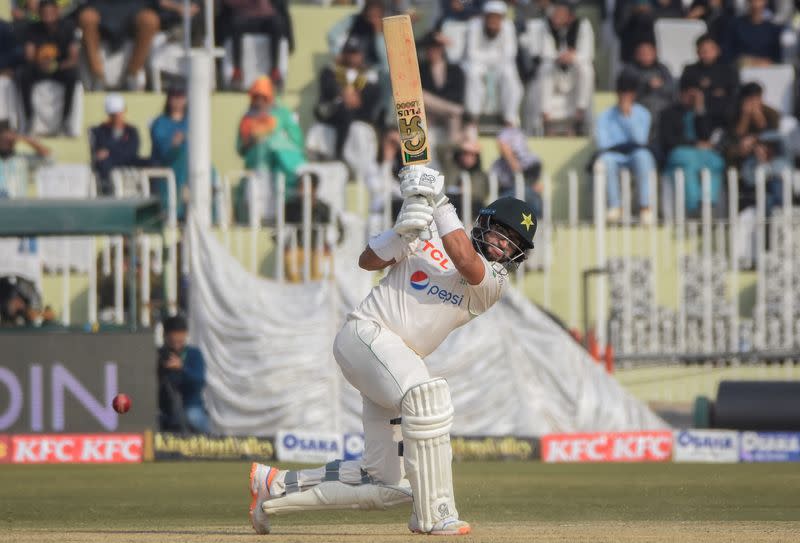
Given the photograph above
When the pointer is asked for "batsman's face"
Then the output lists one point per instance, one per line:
(503, 243)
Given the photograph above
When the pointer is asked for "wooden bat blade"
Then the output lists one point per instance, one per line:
(401, 52)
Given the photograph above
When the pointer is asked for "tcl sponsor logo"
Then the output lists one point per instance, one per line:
(76, 448)
(608, 447)
(436, 255)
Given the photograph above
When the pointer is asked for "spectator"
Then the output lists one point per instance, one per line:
(656, 88)
(456, 10)
(9, 139)
(491, 52)
(169, 148)
(14, 167)
(181, 380)
(692, 160)
(621, 138)
(20, 303)
(466, 159)
(112, 20)
(718, 80)
(271, 17)
(367, 27)
(269, 137)
(12, 52)
(754, 142)
(348, 92)
(525, 10)
(170, 19)
(321, 216)
(517, 159)
(113, 144)
(717, 14)
(566, 73)
(442, 87)
(51, 53)
(752, 39)
(677, 123)
(634, 21)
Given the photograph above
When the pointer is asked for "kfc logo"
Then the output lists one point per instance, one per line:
(608, 447)
(76, 448)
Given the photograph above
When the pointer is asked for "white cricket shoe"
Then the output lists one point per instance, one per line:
(261, 477)
(448, 526)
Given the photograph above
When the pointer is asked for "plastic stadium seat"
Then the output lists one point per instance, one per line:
(255, 58)
(333, 177)
(777, 82)
(48, 103)
(65, 181)
(9, 105)
(165, 57)
(456, 32)
(675, 42)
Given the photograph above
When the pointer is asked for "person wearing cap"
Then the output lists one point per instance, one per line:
(620, 134)
(51, 53)
(490, 59)
(564, 83)
(169, 147)
(181, 380)
(269, 137)
(465, 158)
(113, 144)
(443, 86)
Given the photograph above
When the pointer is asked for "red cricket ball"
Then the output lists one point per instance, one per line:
(121, 403)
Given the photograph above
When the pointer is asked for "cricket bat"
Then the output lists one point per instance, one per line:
(401, 52)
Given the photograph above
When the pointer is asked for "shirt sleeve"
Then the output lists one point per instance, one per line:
(484, 295)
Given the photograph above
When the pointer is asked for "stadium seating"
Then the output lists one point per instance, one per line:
(255, 58)
(675, 42)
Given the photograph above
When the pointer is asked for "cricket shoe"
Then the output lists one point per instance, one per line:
(261, 477)
(448, 526)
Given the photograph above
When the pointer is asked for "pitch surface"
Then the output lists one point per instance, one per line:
(181, 502)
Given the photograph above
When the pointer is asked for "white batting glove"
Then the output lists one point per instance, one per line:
(423, 181)
(415, 216)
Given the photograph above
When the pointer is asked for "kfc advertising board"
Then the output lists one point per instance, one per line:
(608, 447)
(76, 449)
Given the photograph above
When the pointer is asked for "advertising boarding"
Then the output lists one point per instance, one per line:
(309, 447)
(770, 447)
(608, 447)
(715, 446)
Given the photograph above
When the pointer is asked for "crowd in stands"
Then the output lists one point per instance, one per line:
(482, 69)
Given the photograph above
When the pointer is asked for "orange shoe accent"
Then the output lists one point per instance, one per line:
(253, 493)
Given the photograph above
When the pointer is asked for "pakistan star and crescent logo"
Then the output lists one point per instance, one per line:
(527, 221)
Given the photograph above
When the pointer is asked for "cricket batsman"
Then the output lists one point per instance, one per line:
(433, 286)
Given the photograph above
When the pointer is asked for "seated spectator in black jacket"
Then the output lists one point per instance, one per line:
(752, 39)
(634, 20)
(676, 125)
(113, 144)
(51, 52)
(348, 91)
(656, 88)
(442, 87)
(718, 80)
(321, 216)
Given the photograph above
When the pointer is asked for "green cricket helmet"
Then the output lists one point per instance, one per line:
(511, 219)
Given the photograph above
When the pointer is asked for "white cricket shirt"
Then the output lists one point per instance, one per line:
(423, 297)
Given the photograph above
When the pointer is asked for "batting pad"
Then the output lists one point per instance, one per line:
(338, 495)
(427, 415)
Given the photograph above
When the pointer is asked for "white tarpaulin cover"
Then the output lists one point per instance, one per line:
(513, 370)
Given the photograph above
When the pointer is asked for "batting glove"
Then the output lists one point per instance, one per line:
(415, 216)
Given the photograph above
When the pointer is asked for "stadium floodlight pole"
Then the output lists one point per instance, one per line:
(200, 130)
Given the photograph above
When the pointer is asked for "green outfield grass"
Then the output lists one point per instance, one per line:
(504, 501)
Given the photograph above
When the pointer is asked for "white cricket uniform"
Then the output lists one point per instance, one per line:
(380, 348)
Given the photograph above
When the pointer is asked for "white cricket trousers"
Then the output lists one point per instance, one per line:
(382, 367)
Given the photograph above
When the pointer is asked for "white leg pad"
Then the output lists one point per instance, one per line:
(338, 495)
(427, 415)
